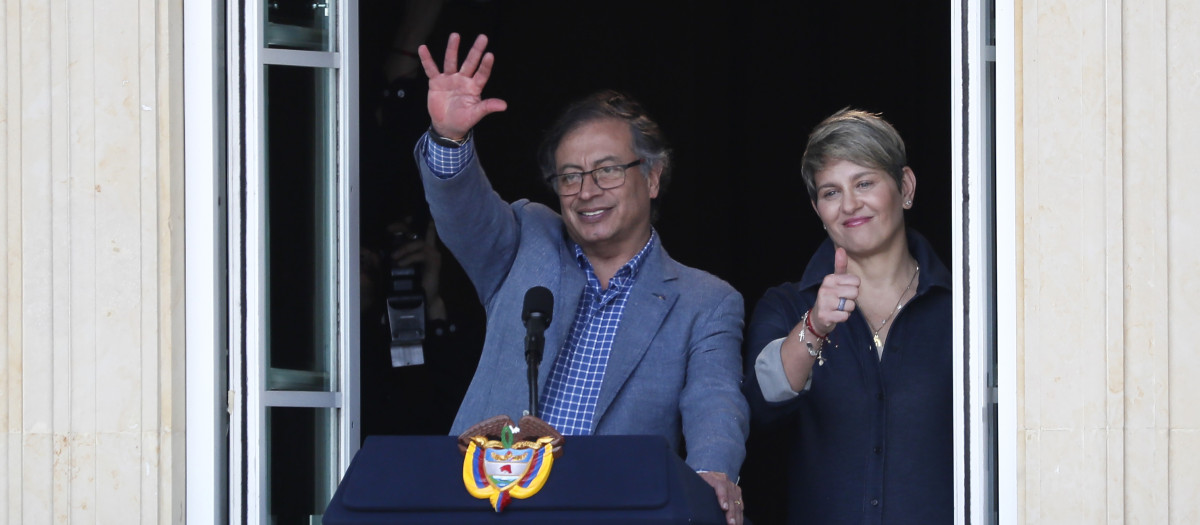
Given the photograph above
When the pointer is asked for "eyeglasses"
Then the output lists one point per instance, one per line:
(605, 177)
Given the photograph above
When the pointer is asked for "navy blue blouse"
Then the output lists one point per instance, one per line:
(872, 440)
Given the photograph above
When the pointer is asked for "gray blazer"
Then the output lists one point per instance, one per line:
(675, 367)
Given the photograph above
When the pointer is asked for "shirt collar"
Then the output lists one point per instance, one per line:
(628, 271)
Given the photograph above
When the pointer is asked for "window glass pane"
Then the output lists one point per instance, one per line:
(301, 237)
(989, 21)
(301, 459)
(300, 24)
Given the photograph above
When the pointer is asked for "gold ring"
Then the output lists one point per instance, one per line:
(738, 502)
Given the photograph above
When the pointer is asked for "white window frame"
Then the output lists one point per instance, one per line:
(204, 299)
(973, 250)
(1006, 259)
(344, 399)
(220, 413)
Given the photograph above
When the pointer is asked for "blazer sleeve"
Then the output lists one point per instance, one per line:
(714, 412)
(473, 221)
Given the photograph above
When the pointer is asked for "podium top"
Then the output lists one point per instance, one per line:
(424, 474)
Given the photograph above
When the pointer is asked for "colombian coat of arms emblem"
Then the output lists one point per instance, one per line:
(502, 461)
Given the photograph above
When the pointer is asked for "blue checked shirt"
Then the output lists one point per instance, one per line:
(446, 162)
(569, 399)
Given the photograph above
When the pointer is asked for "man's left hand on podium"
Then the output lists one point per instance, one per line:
(729, 495)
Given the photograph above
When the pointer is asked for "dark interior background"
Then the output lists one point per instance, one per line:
(736, 87)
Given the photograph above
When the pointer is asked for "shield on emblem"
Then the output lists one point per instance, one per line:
(505, 465)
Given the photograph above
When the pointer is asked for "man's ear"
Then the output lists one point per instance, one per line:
(652, 179)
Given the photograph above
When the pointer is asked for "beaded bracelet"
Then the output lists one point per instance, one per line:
(817, 353)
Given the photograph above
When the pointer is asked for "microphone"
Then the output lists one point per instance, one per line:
(539, 304)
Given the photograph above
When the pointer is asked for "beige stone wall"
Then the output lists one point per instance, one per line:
(1108, 96)
(91, 326)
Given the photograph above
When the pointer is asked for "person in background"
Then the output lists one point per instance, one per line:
(399, 397)
(852, 363)
(406, 398)
(638, 343)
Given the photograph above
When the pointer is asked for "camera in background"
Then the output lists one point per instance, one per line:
(405, 308)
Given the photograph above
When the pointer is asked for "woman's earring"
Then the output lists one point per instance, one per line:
(907, 204)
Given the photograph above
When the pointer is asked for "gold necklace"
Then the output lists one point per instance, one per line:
(899, 305)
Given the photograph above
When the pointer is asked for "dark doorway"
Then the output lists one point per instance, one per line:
(736, 87)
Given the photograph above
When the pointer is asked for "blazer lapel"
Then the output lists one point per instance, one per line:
(652, 297)
(566, 300)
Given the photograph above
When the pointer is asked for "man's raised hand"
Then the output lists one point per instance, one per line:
(455, 94)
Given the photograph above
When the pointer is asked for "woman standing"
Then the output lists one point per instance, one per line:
(853, 362)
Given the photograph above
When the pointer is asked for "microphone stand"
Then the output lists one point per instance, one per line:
(534, 341)
(533, 391)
